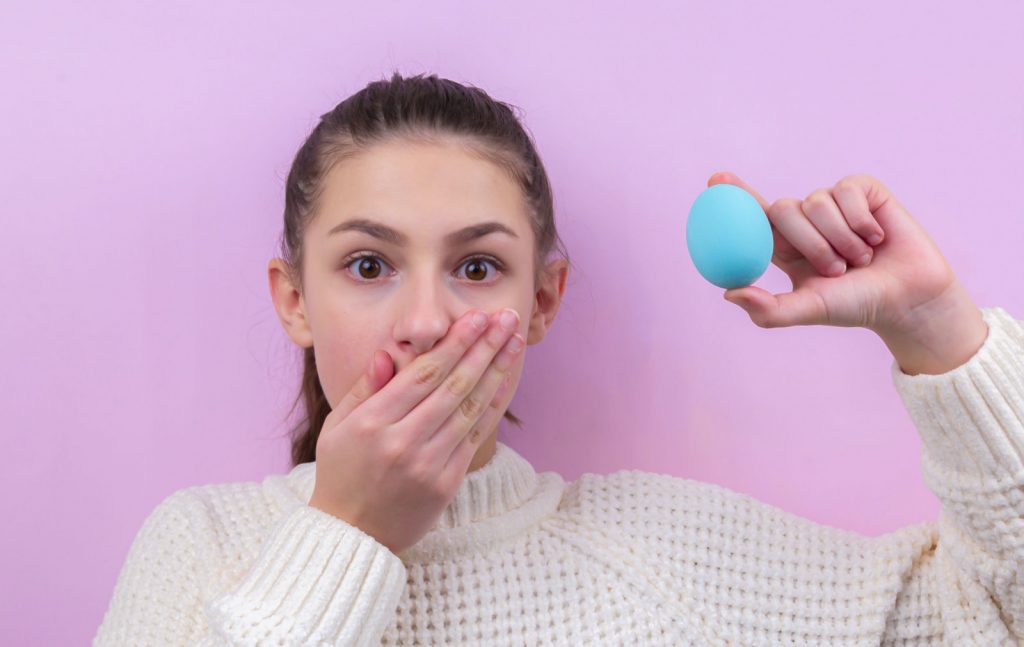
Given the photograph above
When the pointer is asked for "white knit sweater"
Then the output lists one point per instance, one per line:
(631, 558)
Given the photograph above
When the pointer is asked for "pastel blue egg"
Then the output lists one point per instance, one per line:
(729, 237)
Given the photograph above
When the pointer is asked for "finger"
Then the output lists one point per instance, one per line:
(424, 374)
(767, 310)
(788, 217)
(875, 193)
(380, 370)
(464, 422)
(725, 177)
(452, 395)
(783, 254)
(462, 456)
(854, 204)
(824, 214)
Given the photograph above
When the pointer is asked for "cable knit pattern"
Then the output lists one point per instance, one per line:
(629, 558)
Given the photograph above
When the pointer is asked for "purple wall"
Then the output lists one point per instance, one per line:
(144, 151)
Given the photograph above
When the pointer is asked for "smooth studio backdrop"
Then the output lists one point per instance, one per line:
(144, 153)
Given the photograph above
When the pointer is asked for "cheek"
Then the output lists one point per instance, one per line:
(343, 350)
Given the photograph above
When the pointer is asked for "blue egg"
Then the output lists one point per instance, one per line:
(729, 237)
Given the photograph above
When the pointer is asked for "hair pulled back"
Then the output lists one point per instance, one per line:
(420, 109)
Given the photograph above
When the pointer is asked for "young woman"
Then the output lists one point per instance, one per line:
(416, 265)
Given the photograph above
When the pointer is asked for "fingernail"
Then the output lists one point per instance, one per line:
(479, 320)
(875, 239)
(864, 260)
(509, 319)
(837, 268)
(515, 344)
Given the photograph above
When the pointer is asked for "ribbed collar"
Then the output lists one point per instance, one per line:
(502, 499)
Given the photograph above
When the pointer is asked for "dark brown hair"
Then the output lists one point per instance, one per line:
(422, 109)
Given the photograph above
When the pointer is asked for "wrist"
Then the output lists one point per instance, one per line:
(939, 337)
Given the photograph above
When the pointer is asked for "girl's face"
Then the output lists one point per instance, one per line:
(407, 237)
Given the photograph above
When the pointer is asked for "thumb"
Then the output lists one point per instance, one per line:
(767, 310)
(379, 372)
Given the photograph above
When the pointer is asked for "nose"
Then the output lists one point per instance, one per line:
(426, 312)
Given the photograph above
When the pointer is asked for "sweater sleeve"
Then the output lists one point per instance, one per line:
(316, 581)
(971, 424)
(734, 570)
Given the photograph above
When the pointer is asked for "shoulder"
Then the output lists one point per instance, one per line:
(636, 494)
(199, 510)
(656, 507)
(225, 510)
(214, 530)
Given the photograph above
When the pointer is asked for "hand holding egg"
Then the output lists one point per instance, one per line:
(855, 255)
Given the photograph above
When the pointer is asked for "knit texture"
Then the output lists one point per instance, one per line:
(630, 558)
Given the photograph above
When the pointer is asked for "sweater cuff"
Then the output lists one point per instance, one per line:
(317, 580)
(971, 419)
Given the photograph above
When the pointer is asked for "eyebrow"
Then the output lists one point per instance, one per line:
(395, 237)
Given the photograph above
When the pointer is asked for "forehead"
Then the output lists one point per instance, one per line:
(421, 187)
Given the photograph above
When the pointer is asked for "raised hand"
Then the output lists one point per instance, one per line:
(393, 452)
(855, 256)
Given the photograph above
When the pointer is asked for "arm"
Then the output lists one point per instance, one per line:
(961, 379)
(316, 581)
(971, 423)
(740, 571)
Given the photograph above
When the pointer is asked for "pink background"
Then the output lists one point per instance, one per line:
(144, 152)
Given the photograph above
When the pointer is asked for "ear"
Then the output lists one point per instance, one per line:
(548, 298)
(289, 303)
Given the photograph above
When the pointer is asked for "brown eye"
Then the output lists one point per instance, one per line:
(475, 270)
(368, 268)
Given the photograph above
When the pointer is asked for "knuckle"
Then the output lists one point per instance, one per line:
(420, 473)
(471, 407)
(846, 185)
(781, 207)
(817, 198)
(440, 488)
(502, 369)
(427, 373)
(869, 180)
(428, 478)
(366, 426)
(859, 222)
(392, 453)
(822, 251)
(458, 384)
